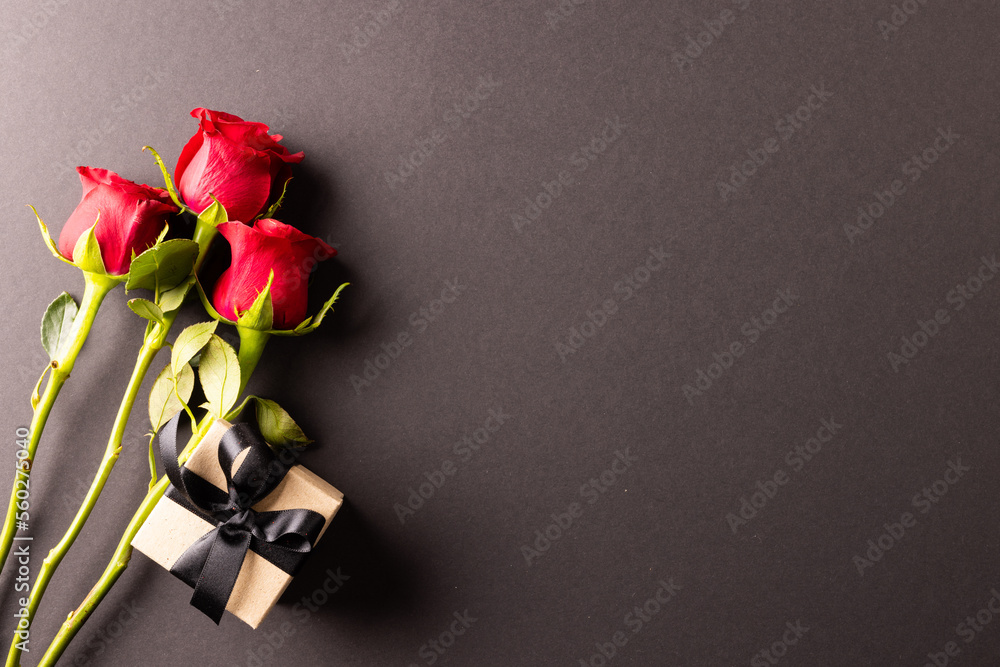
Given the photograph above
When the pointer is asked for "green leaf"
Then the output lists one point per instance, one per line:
(146, 309)
(172, 299)
(310, 325)
(87, 252)
(163, 400)
(57, 322)
(171, 190)
(49, 243)
(276, 205)
(219, 372)
(260, 315)
(166, 264)
(214, 215)
(277, 426)
(189, 342)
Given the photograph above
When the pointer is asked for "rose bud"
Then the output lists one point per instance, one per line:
(236, 161)
(257, 251)
(129, 217)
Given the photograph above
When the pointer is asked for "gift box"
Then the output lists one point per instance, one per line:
(199, 528)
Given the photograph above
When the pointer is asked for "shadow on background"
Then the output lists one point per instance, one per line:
(379, 584)
(312, 205)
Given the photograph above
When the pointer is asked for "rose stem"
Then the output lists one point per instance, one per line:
(251, 349)
(120, 559)
(152, 344)
(96, 287)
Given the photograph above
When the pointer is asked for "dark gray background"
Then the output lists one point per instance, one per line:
(99, 80)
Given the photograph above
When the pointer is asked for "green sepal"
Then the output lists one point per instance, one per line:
(146, 309)
(171, 190)
(169, 395)
(214, 215)
(277, 426)
(173, 298)
(164, 265)
(277, 205)
(219, 372)
(235, 412)
(189, 342)
(310, 324)
(260, 315)
(307, 325)
(48, 239)
(87, 252)
(57, 322)
(207, 303)
(159, 237)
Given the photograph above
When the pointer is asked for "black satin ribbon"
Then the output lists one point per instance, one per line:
(212, 564)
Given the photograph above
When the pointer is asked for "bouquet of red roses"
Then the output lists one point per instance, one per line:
(231, 179)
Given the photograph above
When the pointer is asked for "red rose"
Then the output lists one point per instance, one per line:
(268, 246)
(237, 161)
(129, 217)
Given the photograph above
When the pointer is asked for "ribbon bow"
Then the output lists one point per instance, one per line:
(212, 564)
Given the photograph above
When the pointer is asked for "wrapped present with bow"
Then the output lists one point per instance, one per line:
(235, 523)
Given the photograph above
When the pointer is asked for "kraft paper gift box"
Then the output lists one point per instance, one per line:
(171, 528)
